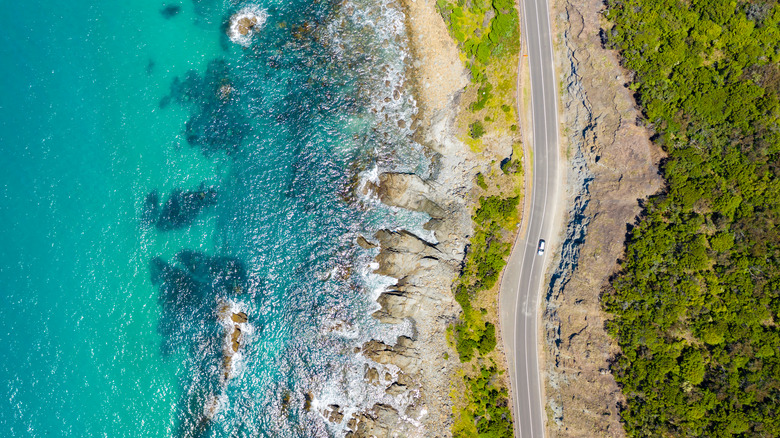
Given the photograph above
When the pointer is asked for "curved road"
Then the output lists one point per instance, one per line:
(523, 279)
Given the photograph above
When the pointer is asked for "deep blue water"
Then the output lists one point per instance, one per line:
(155, 172)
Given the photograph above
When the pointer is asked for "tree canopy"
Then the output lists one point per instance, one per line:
(696, 302)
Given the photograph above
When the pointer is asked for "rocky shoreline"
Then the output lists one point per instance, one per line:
(613, 165)
(424, 270)
(422, 294)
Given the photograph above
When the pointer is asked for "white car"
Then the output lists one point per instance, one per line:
(540, 249)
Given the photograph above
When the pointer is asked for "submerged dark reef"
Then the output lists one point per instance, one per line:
(292, 121)
(218, 123)
(195, 290)
(183, 206)
(180, 210)
(169, 11)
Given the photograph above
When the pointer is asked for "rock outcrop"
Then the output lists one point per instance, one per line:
(422, 294)
(408, 191)
(425, 270)
(245, 23)
(234, 324)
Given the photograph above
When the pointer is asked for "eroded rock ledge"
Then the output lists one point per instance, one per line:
(422, 294)
(424, 270)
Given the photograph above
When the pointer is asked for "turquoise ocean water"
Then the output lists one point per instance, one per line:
(153, 171)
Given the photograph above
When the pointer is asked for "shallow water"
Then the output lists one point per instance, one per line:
(153, 170)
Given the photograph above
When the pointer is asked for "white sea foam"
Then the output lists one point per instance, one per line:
(375, 30)
(245, 23)
(353, 394)
(226, 310)
(365, 177)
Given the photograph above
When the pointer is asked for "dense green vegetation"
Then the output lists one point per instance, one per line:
(481, 181)
(485, 259)
(697, 300)
(487, 407)
(485, 413)
(476, 130)
(488, 35)
(480, 43)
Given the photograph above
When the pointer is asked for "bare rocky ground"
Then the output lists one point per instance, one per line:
(424, 270)
(612, 165)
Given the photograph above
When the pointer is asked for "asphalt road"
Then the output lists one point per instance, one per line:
(523, 280)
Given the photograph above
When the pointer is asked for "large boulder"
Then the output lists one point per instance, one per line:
(407, 190)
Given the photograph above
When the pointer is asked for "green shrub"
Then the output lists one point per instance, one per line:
(496, 209)
(487, 405)
(483, 96)
(481, 181)
(476, 130)
(486, 257)
(511, 166)
(487, 342)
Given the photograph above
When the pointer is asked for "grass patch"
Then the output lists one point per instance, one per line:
(483, 411)
(488, 35)
(481, 181)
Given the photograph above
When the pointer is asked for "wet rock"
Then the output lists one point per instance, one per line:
(224, 92)
(381, 421)
(402, 354)
(403, 254)
(334, 414)
(365, 244)
(424, 270)
(239, 317)
(187, 291)
(405, 241)
(245, 23)
(286, 397)
(433, 225)
(408, 191)
(371, 375)
(395, 389)
(234, 337)
(405, 380)
(396, 306)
